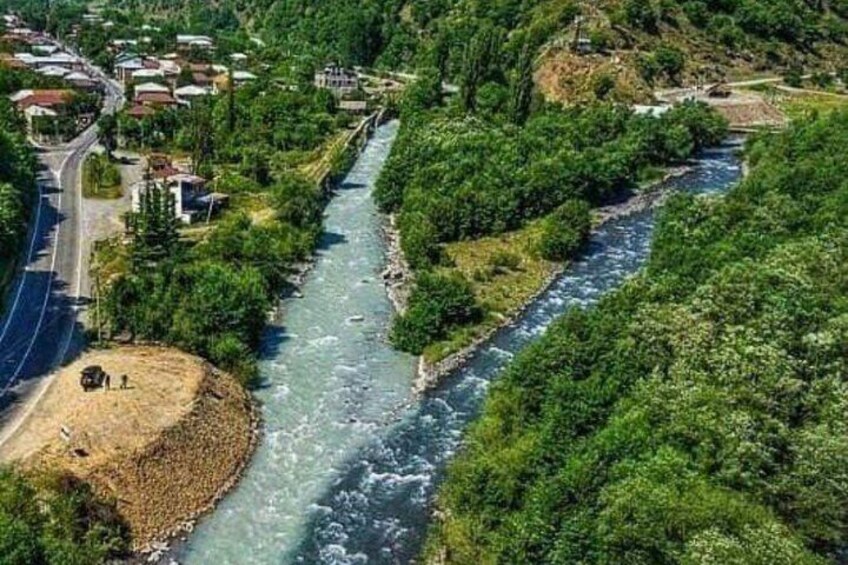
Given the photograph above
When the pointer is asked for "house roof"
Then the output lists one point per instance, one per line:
(151, 87)
(10, 62)
(45, 98)
(243, 75)
(139, 111)
(53, 71)
(148, 73)
(353, 105)
(57, 59)
(185, 177)
(165, 171)
(34, 111)
(191, 90)
(45, 48)
(653, 111)
(201, 78)
(155, 98)
(186, 38)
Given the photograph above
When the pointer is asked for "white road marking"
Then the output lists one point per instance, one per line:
(22, 284)
(35, 234)
(44, 303)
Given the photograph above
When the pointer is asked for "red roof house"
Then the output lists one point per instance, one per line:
(155, 99)
(44, 98)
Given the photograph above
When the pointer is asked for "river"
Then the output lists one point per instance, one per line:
(349, 461)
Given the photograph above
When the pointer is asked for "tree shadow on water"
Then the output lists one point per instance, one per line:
(330, 239)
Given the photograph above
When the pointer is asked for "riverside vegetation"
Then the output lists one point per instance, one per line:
(697, 414)
(479, 167)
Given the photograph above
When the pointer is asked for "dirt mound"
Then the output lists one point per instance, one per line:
(165, 449)
(565, 77)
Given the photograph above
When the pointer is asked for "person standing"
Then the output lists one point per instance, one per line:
(108, 382)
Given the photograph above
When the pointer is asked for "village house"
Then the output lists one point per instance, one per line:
(353, 106)
(11, 21)
(151, 87)
(187, 94)
(92, 19)
(125, 65)
(119, 45)
(189, 42)
(8, 61)
(337, 79)
(148, 75)
(41, 109)
(140, 112)
(58, 59)
(155, 99)
(81, 81)
(44, 49)
(221, 83)
(192, 201)
(54, 71)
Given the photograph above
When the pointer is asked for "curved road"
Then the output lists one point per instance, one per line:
(39, 328)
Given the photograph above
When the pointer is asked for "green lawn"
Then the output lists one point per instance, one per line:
(802, 105)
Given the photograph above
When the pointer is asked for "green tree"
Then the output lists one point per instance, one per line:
(522, 87)
(107, 133)
(438, 304)
(153, 226)
(565, 231)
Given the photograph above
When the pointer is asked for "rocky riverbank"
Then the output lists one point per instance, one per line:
(430, 374)
(172, 488)
(397, 276)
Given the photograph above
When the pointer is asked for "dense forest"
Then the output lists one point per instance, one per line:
(697, 415)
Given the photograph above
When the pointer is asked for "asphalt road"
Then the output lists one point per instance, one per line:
(40, 326)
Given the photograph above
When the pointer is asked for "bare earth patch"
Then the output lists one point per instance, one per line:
(165, 449)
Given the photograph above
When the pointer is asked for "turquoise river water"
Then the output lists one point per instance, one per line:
(349, 460)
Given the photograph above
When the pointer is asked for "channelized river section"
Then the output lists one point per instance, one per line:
(349, 461)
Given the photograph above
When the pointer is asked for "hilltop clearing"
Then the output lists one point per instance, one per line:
(141, 446)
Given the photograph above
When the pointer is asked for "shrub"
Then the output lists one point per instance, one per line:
(56, 520)
(439, 304)
(565, 231)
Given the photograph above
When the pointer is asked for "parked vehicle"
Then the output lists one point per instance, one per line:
(93, 378)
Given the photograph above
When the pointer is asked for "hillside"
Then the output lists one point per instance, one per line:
(694, 416)
(632, 45)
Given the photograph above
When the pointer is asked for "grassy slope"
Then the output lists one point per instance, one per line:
(500, 290)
